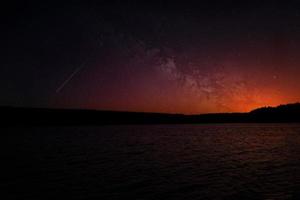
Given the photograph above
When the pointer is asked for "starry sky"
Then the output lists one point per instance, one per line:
(166, 56)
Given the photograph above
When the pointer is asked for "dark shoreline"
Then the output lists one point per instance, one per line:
(17, 116)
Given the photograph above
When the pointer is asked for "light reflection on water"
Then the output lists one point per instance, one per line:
(229, 161)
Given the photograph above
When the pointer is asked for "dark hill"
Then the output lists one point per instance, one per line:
(282, 113)
(12, 116)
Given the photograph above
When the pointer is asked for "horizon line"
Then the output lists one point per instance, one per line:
(128, 111)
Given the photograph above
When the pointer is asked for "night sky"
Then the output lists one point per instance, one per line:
(154, 57)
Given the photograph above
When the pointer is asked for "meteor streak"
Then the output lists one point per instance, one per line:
(69, 78)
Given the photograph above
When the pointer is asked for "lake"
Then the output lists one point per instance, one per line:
(212, 161)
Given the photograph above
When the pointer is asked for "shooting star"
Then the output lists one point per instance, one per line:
(69, 78)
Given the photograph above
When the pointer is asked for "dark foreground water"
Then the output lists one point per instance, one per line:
(233, 161)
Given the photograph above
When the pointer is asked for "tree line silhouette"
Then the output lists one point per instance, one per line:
(45, 116)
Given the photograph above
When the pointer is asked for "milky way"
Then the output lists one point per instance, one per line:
(156, 57)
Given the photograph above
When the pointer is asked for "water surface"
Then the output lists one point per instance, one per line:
(216, 161)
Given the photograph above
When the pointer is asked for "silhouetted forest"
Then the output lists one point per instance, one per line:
(43, 116)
